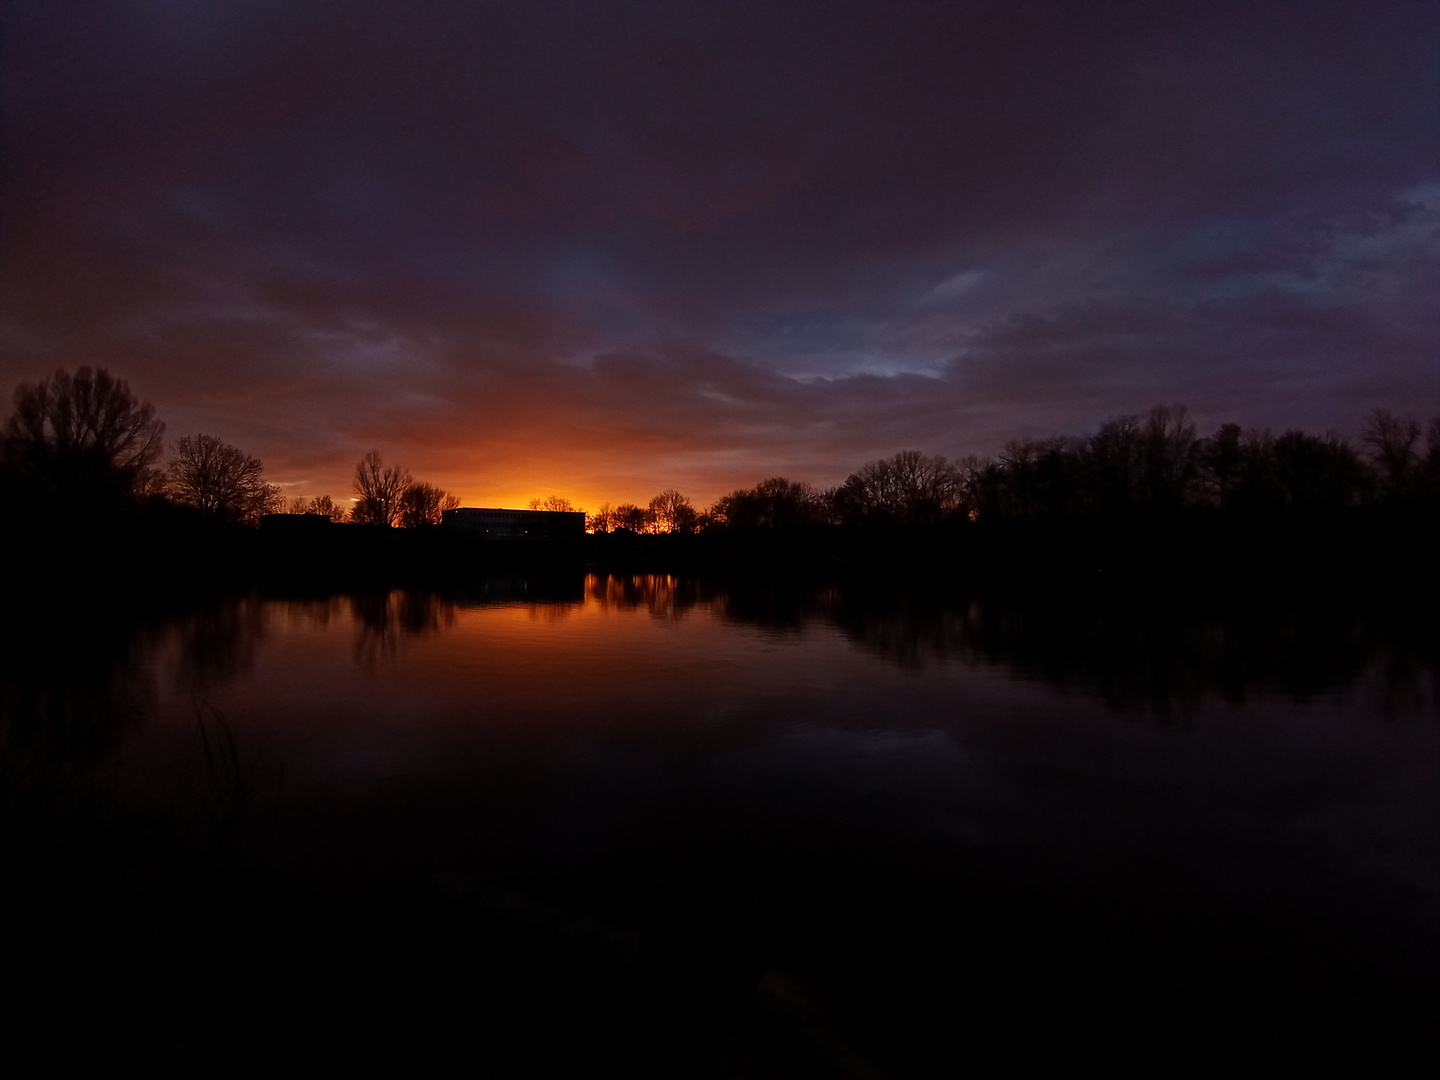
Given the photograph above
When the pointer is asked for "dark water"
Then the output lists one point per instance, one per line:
(753, 831)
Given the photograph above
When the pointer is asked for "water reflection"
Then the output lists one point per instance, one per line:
(1162, 657)
(217, 643)
(533, 592)
(70, 682)
(384, 618)
(663, 596)
(865, 786)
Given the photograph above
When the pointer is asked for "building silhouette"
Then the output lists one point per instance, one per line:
(498, 524)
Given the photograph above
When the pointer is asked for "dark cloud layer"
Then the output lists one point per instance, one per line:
(604, 248)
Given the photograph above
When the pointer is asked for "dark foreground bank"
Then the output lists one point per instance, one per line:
(169, 550)
(861, 963)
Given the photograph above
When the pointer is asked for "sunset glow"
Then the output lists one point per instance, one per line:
(1000, 631)
(601, 250)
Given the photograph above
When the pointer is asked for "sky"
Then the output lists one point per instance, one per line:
(603, 249)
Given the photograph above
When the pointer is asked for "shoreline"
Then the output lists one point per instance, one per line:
(1378, 554)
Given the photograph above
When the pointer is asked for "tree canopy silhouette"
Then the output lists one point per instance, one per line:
(908, 488)
(634, 518)
(776, 503)
(672, 512)
(325, 507)
(557, 503)
(423, 504)
(82, 438)
(1394, 445)
(380, 488)
(1134, 465)
(219, 479)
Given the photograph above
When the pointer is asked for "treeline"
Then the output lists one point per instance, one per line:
(1132, 465)
(85, 444)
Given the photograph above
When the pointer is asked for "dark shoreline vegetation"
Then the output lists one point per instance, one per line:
(1305, 572)
(1140, 502)
(1376, 556)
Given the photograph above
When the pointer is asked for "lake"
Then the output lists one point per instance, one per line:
(763, 830)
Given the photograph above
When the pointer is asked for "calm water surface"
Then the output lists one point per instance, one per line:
(837, 789)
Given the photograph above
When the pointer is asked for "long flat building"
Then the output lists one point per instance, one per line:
(499, 524)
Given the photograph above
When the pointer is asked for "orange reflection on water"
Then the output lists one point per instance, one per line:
(603, 652)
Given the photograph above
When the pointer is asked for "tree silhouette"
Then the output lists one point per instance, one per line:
(1170, 457)
(423, 504)
(380, 488)
(1134, 464)
(82, 438)
(632, 517)
(1394, 443)
(602, 521)
(555, 503)
(1318, 472)
(906, 488)
(671, 512)
(1035, 478)
(325, 506)
(219, 479)
(1115, 454)
(776, 503)
(1222, 458)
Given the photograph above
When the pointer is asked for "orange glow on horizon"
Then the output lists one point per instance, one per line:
(516, 494)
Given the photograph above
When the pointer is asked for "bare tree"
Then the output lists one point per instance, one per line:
(379, 488)
(424, 504)
(326, 507)
(1034, 478)
(83, 436)
(1223, 458)
(555, 503)
(632, 517)
(602, 521)
(775, 503)
(320, 506)
(1116, 456)
(219, 479)
(1394, 443)
(982, 487)
(1170, 461)
(1259, 484)
(672, 512)
(908, 487)
(1314, 471)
